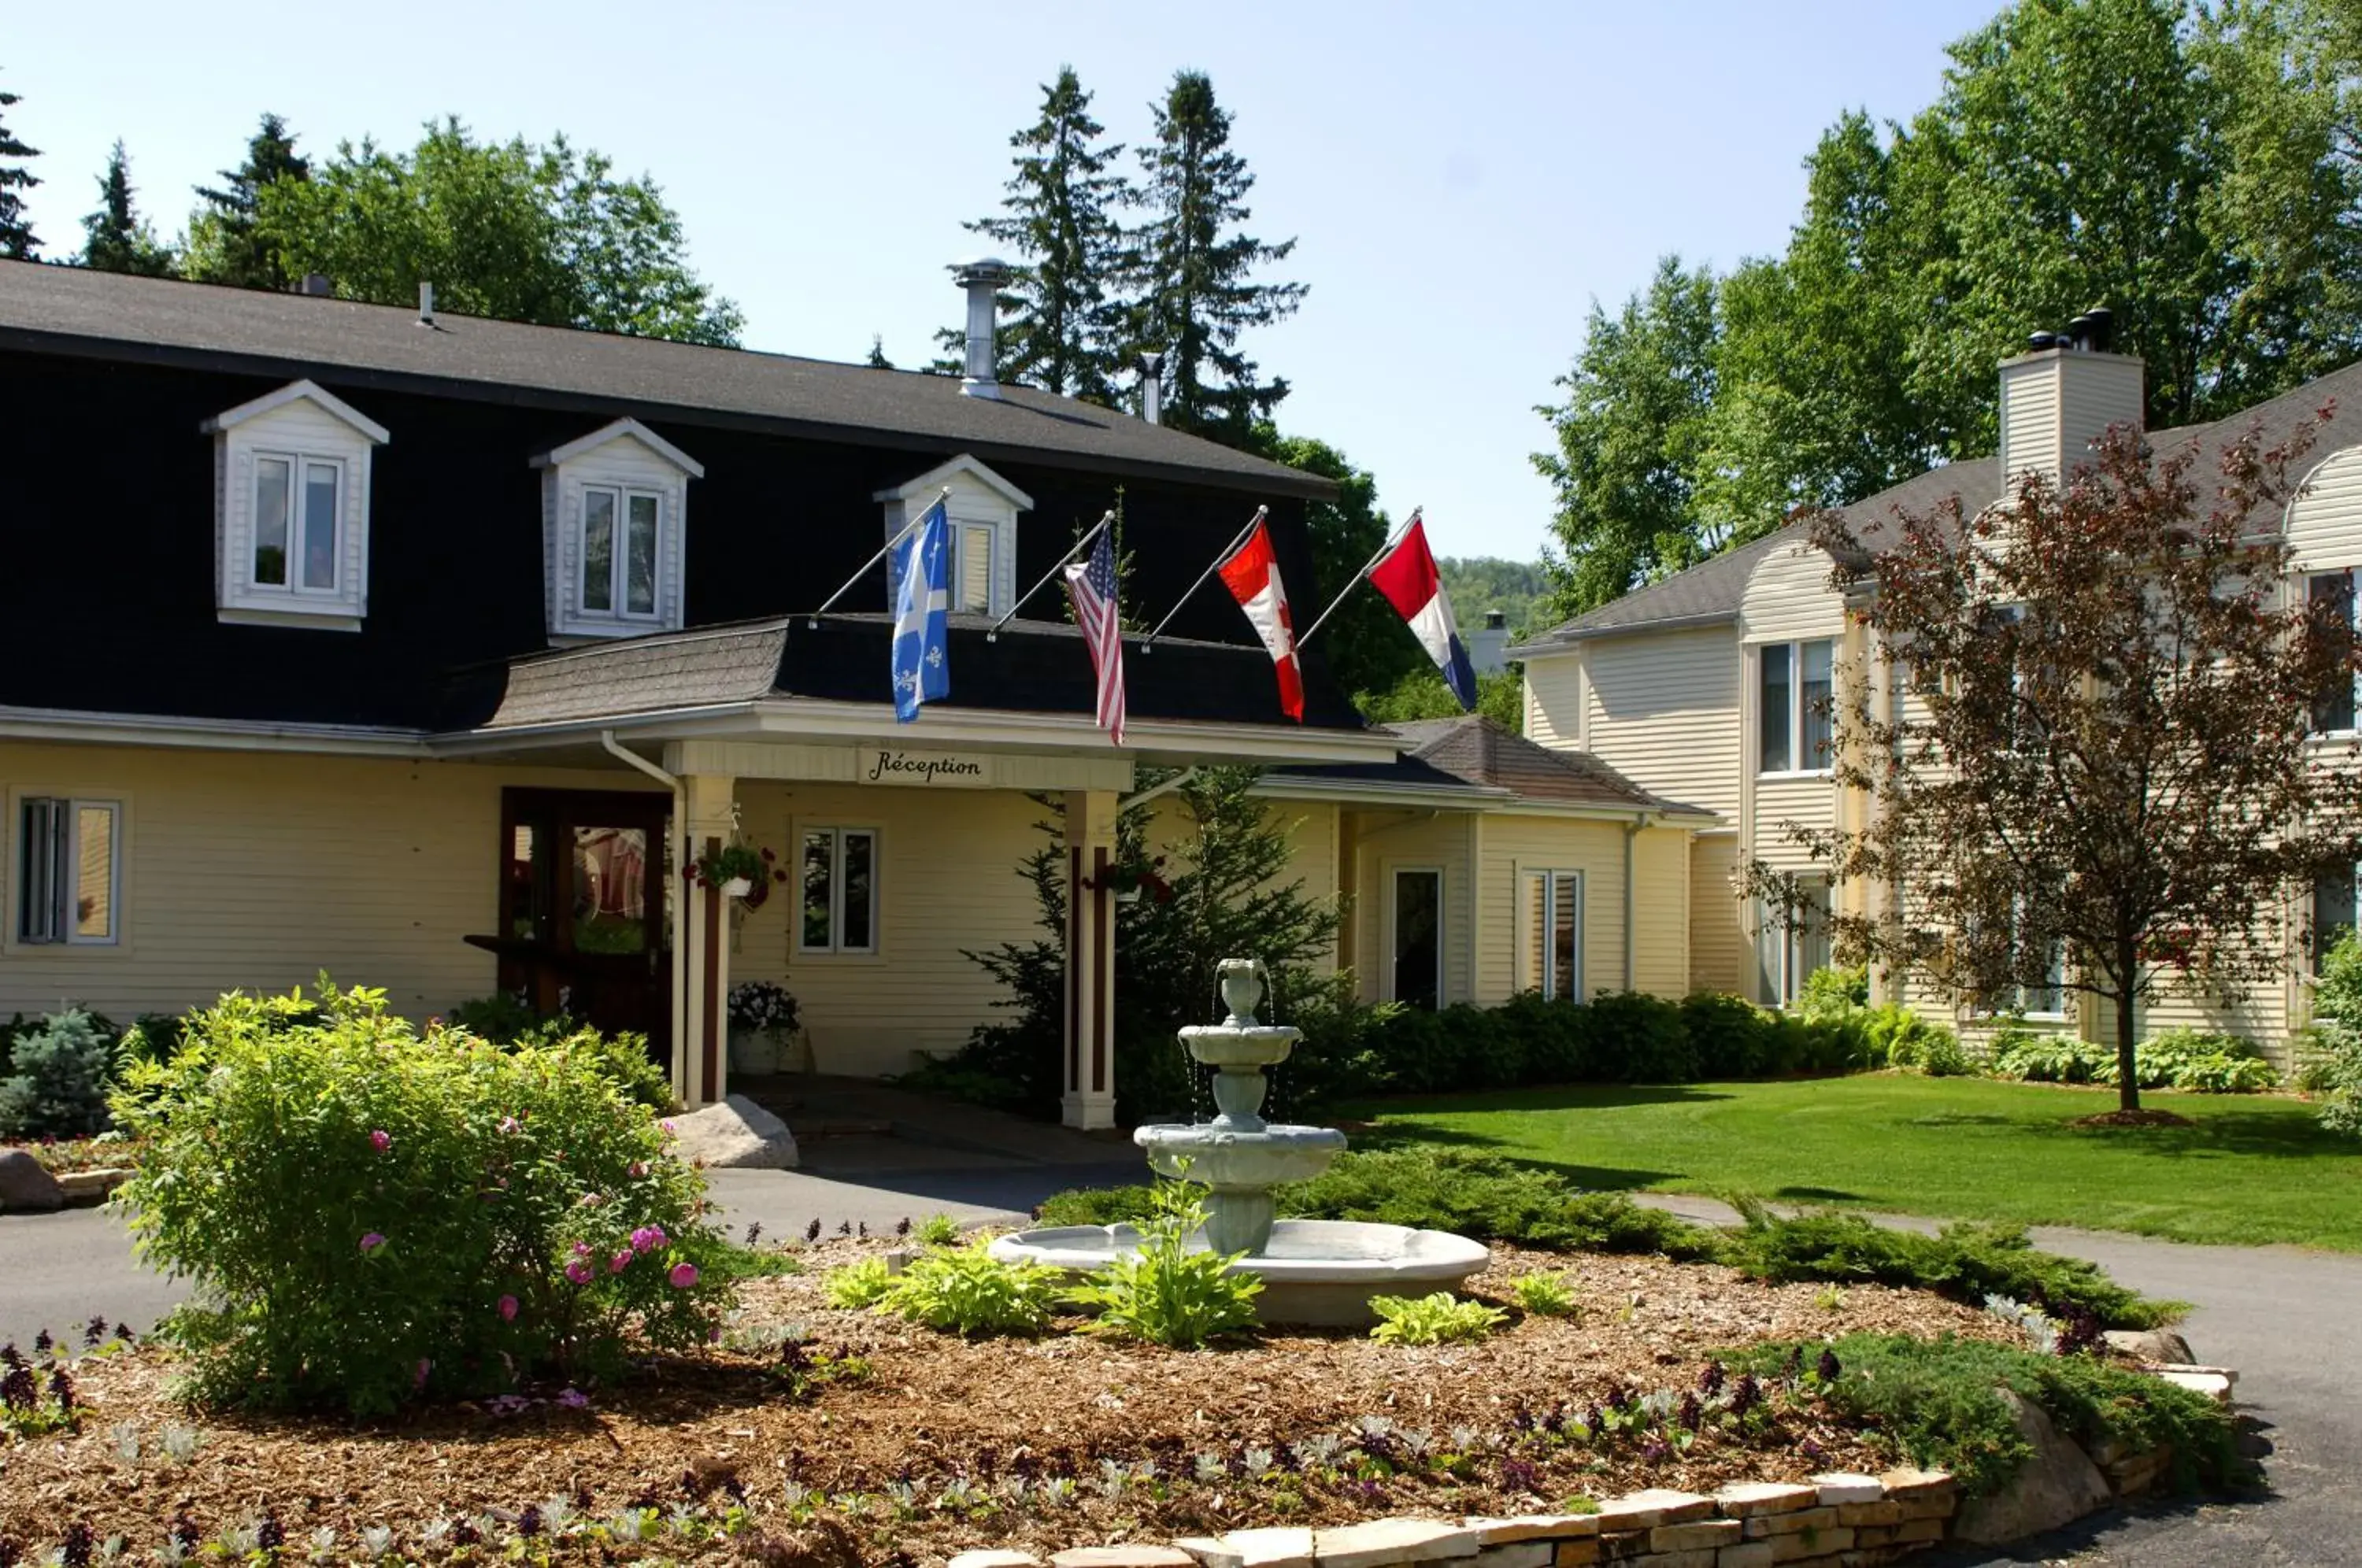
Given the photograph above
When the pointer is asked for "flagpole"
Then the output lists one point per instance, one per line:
(1394, 539)
(813, 619)
(1215, 565)
(992, 634)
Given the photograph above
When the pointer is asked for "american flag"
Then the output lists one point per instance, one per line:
(1092, 585)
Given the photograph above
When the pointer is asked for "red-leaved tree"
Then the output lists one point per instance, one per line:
(2103, 776)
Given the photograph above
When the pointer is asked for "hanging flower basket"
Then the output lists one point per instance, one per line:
(1128, 882)
(737, 871)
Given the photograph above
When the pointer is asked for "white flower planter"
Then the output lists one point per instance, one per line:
(737, 887)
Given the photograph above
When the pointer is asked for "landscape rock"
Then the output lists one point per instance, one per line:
(1745, 1499)
(2215, 1386)
(994, 1560)
(735, 1135)
(1123, 1557)
(1533, 1527)
(2056, 1486)
(26, 1186)
(1843, 1488)
(1281, 1547)
(2158, 1345)
(1384, 1542)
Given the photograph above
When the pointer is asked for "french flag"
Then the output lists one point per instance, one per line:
(1251, 574)
(1411, 584)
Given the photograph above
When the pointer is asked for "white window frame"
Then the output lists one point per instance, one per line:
(2308, 578)
(299, 521)
(979, 497)
(303, 425)
(1798, 711)
(19, 865)
(998, 551)
(1788, 985)
(834, 947)
(624, 458)
(1553, 884)
(2315, 947)
(2019, 993)
(618, 574)
(1395, 873)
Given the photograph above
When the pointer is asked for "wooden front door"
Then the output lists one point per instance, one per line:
(583, 907)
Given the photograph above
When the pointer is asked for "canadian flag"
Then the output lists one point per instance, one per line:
(1251, 574)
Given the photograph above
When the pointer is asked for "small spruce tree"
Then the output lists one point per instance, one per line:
(116, 239)
(17, 242)
(224, 244)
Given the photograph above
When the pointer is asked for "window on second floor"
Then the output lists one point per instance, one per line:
(2331, 594)
(292, 495)
(614, 532)
(1794, 720)
(982, 509)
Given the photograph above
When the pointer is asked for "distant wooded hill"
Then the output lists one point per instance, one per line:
(1478, 583)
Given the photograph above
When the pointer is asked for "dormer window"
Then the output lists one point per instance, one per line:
(982, 509)
(291, 514)
(614, 510)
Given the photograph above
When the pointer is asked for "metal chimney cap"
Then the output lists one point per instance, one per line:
(981, 269)
(2036, 342)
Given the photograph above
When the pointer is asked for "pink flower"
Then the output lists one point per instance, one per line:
(372, 1241)
(579, 1272)
(647, 1238)
(581, 1249)
(669, 1130)
(683, 1275)
(622, 1260)
(380, 1140)
(508, 1123)
(639, 1167)
(508, 1309)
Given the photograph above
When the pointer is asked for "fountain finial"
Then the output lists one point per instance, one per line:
(1243, 982)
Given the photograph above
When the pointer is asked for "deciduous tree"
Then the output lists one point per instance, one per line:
(2106, 777)
(511, 230)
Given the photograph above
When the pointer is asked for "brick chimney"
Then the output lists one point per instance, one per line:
(2062, 394)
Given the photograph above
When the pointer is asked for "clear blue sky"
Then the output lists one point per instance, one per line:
(1462, 179)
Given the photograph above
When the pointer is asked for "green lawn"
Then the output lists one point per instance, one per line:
(2255, 1169)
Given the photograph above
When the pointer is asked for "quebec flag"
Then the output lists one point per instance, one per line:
(922, 670)
(1411, 584)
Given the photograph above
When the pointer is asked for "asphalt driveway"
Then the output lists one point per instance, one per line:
(2291, 1320)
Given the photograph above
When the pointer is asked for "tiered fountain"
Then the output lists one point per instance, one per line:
(1314, 1271)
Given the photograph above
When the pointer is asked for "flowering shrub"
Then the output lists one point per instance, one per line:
(762, 1004)
(373, 1218)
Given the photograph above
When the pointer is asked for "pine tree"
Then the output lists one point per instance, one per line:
(117, 241)
(16, 239)
(224, 246)
(1194, 270)
(877, 361)
(1061, 327)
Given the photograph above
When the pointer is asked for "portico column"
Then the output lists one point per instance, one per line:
(1089, 1070)
(701, 1053)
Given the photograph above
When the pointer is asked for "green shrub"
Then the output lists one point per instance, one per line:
(1100, 1204)
(1165, 1293)
(862, 1283)
(1547, 1295)
(939, 1231)
(1491, 1199)
(371, 1217)
(1436, 1319)
(1833, 993)
(2192, 1060)
(1967, 1262)
(58, 1079)
(508, 1020)
(966, 1290)
(1934, 1402)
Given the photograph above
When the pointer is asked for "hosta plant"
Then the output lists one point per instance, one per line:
(1164, 1292)
(1440, 1318)
(966, 1290)
(862, 1283)
(1547, 1295)
(372, 1216)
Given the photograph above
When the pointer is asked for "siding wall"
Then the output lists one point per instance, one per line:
(1661, 914)
(247, 870)
(1789, 596)
(1720, 946)
(1555, 697)
(1386, 839)
(1663, 709)
(1515, 847)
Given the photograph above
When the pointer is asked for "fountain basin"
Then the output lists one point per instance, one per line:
(1222, 1157)
(1318, 1272)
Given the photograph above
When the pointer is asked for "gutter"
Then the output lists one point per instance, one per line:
(1561, 642)
(1128, 802)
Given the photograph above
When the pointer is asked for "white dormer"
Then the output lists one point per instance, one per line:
(292, 510)
(982, 509)
(614, 511)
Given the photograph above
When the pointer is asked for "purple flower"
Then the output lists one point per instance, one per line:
(579, 1272)
(581, 1249)
(683, 1275)
(617, 1264)
(573, 1399)
(372, 1241)
(508, 1309)
(669, 1130)
(647, 1238)
(380, 1140)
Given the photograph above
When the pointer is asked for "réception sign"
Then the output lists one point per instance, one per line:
(927, 769)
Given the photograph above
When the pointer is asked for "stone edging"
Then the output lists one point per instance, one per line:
(1830, 1521)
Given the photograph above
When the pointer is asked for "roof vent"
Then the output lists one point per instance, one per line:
(1152, 388)
(317, 285)
(2038, 341)
(426, 305)
(982, 278)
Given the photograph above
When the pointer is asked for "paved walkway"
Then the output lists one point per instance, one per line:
(2291, 1320)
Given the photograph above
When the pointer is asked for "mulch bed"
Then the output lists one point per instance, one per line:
(993, 1416)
